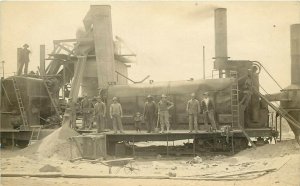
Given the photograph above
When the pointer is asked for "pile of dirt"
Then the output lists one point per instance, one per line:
(271, 150)
(55, 145)
(50, 168)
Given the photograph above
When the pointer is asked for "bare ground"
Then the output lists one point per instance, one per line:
(283, 158)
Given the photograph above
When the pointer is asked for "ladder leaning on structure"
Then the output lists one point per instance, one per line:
(283, 113)
(35, 133)
(235, 109)
(55, 105)
(20, 104)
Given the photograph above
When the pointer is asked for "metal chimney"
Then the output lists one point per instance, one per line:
(295, 54)
(220, 38)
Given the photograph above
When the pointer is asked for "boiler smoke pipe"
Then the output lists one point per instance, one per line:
(295, 53)
(203, 62)
(221, 34)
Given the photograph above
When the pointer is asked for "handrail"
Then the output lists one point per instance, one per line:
(135, 82)
(280, 111)
(268, 73)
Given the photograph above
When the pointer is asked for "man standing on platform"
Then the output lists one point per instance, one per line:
(150, 114)
(72, 107)
(23, 59)
(163, 111)
(208, 112)
(86, 107)
(99, 113)
(193, 109)
(116, 114)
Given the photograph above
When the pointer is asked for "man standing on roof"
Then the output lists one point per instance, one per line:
(193, 109)
(23, 59)
(116, 114)
(150, 114)
(163, 111)
(208, 112)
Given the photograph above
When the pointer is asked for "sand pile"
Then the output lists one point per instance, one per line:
(272, 150)
(55, 145)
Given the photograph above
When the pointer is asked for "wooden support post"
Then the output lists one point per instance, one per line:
(133, 149)
(42, 60)
(232, 143)
(13, 140)
(194, 146)
(19, 70)
(280, 128)
(167, 145)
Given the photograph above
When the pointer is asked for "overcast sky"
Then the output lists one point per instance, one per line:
(166, 36)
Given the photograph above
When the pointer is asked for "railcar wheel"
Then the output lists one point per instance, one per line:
(240, 144)
(22, 143)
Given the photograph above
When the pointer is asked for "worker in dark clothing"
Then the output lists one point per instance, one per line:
(193, 109)
(72, 107)
(208, 112)
(99, 114)
(86, 107)
(163, 111)
(247, 91)
(150, 114)
(23, 59)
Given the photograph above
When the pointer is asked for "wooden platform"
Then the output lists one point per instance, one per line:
(174, 135)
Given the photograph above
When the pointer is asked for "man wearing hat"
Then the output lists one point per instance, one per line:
(99, 113)
(23, 59)
(72, 107)
(116, 114)
(163, 111)
(86, 107)
(208, 112)
(193, 109)
(150, 113)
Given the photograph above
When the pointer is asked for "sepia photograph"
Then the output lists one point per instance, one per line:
(150, 93)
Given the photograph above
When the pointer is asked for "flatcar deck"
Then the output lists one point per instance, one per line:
(174, 135)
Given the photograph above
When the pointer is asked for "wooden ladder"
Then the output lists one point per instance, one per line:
(235, 108)
(35, 133)
(54, 104)
(20, 104)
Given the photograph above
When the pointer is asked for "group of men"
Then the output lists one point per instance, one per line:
(193, 109)
(153, 114)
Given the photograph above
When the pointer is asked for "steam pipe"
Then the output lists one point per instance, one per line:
(295, 54)
(220, 38)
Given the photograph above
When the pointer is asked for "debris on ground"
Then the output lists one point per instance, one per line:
(50, 168)
(55, 145)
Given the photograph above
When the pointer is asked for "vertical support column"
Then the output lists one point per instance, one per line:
(167, 145)
(194, 146)
(42, 60)
(295, 54)
(104, 49)
(79, 69)
(133, 149)
(221, 42)
(280, 128)
(19, 70)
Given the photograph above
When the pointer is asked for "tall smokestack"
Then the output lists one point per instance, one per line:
(295, 54)
(103, 38)
(220, 38)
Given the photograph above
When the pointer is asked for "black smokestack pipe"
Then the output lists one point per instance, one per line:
(295, 54)
(221, 33)
(220, 39)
